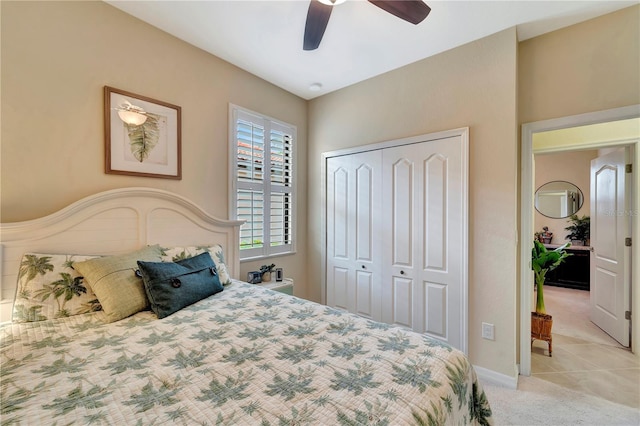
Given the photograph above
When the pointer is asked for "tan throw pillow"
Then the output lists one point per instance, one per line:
(113, 279)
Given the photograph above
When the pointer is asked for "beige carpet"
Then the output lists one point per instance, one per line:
(538, 402)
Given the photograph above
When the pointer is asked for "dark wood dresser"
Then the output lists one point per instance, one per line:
(574, 271)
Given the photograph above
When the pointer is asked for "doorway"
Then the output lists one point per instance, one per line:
(527, 209)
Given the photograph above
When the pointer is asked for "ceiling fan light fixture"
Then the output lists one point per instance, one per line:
(332, 2)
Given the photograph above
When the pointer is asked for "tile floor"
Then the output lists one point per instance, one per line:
(585, 358)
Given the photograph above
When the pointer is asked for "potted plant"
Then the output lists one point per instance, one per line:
(266, 270)
(543, 261)
(579, 230)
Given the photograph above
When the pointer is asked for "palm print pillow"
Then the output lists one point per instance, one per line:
(174, 254)
(49, 287)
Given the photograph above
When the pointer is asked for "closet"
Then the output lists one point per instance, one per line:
(396, 233)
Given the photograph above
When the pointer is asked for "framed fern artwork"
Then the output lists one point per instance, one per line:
(142, 135)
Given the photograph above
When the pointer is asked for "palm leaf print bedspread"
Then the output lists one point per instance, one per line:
(246, 355)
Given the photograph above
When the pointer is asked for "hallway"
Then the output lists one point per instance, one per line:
(585, 358)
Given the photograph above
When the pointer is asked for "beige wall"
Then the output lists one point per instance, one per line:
(56, 58)
(474, 86)
(572, 166)
(591, 66)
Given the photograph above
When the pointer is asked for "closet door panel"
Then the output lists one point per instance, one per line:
(340, 203)
(434, 249)
(401, 303)
(368, 199)
(402, 194)
(340, 287)
(339, 222)
(353, 204)
(435, 314)
(435, 213)
(364, 212)
(443, 224)
(365, 293)
(399, 231)
(426, 218)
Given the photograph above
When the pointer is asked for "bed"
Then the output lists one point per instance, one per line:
(244, 355)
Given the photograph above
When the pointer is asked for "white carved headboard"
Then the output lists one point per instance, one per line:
(113, 222)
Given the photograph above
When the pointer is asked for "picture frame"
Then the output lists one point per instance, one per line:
(149, 143)
(254, 277)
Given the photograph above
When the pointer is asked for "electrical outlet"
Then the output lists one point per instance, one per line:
(488, 331)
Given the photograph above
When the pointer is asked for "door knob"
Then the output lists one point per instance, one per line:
(401, 272)
(363, 267)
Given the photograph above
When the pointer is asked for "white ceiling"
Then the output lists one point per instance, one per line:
(264, 37)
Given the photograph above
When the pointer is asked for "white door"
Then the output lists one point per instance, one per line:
(353, 223)
(610, 225)
(401, 188)
(424, 212)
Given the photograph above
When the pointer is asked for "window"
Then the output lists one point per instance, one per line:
(262, 192)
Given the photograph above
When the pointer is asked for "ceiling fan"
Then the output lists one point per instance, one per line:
(413, 11)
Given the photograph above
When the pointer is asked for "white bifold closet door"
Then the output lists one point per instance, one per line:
(396, 236)
(354, 185)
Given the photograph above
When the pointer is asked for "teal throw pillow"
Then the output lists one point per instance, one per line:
(172, 286)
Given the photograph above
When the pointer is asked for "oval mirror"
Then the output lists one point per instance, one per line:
(558, 199)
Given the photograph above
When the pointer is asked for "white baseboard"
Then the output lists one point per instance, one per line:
(495, 378)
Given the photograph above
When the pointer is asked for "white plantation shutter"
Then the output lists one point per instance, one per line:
(281, 187)
(262, 184)
(251, 210)
(250, 150)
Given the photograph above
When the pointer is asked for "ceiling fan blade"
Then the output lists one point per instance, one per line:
(413, 11)
(317, 19)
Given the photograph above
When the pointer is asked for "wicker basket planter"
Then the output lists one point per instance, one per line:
(541, 328)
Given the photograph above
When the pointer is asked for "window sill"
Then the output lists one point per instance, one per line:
(270, 256)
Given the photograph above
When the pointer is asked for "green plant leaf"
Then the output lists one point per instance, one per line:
(144, 138)
(543, 261)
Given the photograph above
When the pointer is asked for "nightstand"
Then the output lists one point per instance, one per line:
(285, 286)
